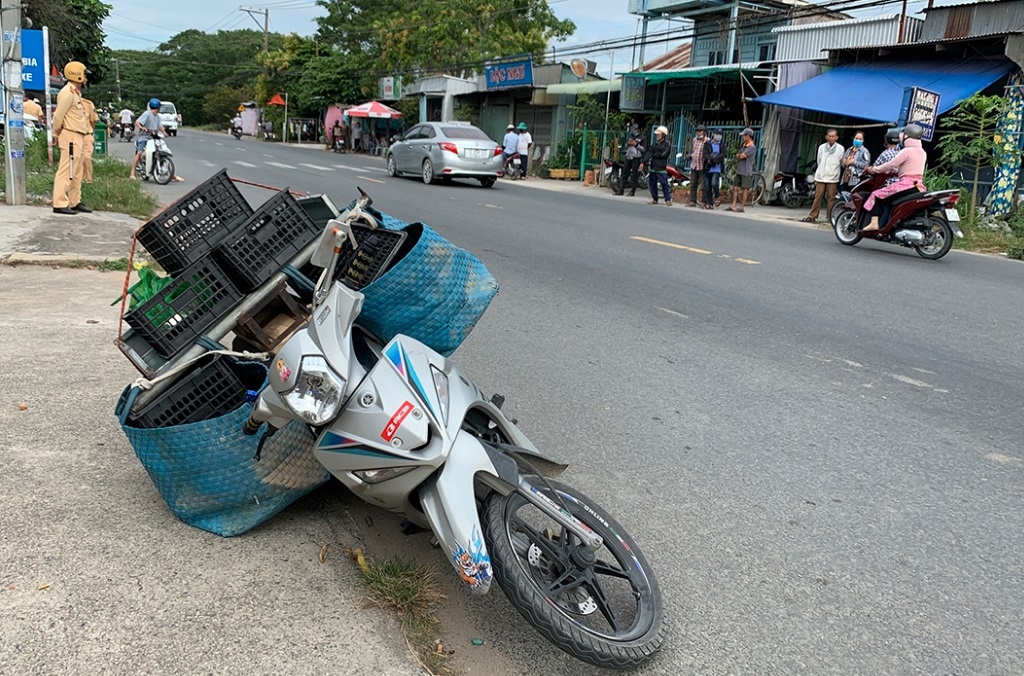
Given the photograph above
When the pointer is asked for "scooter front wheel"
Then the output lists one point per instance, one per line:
(163, 171)
(603, 608)
(615, 182)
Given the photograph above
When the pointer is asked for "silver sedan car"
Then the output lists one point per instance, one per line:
(446, 150)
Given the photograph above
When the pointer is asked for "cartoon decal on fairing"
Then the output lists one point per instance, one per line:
(474, 566)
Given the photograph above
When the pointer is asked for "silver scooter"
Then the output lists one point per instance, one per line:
(156, 162)
(406, 430)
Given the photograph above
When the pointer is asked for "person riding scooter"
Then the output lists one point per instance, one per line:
(909, 163)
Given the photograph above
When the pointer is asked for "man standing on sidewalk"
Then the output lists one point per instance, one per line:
(523, 147)
(826, 176)
(657, 159)
(696, 158)
(70, 127)
(744, 171)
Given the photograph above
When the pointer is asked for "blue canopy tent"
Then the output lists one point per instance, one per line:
(875, 91)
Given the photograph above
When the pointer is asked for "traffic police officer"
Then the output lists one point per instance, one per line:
(71, 127)
(32, 107)
(92, 118)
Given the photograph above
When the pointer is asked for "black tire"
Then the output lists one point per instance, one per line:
(392, 167)
(512, 171)
(836, 206)
(757, 192)
(163, 171)
(521, 566)
(487, 182)
(941, 236)
(428, 172)
(789, 197)
(615, 181)
(845, 227)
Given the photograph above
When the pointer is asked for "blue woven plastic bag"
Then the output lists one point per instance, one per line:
(206, 473)
(435, 293)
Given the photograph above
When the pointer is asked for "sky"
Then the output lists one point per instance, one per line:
(136, 25)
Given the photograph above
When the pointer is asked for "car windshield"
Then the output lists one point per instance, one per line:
(167, 110)
(465, 132)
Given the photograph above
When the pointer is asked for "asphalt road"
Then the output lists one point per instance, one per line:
(818, 447)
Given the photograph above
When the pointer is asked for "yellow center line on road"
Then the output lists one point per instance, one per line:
(367, 178)
(674, 246)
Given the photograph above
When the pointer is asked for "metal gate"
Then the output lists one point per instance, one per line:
(493, 120)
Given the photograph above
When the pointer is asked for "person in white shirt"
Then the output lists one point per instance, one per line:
(126, 121)
(826, 176)
(523, 144)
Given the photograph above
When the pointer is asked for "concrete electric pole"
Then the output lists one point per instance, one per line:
(14, 96)
(266, 22)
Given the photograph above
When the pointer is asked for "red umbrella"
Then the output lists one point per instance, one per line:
(373, 109)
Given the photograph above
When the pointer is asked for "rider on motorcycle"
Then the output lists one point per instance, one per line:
(148, 126)
(510, 144)
(909, 163)
(236, 125)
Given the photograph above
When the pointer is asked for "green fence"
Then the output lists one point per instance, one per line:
(598, 145)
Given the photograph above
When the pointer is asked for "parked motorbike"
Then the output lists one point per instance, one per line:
(511, 166)
(237, 133)
(338, 145)
(676, 176)
(406, 430)
(923, 221)
(794, 189)
(156, 162)
(613, 176)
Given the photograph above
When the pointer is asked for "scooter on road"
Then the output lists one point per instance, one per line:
(156, 162)
(405, 429)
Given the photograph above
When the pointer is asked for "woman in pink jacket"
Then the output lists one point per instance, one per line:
(909, 164)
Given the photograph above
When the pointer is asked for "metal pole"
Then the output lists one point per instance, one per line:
(117, 78)
(903, 20)
(643, 44)
(284, 134)
(266, 28)
(49, 115)
(607, 109)
(14, 127)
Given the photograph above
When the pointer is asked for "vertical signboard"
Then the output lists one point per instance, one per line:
(924, 110)
(634, 91)
(390, 88)
(33, 60)
(509, 72)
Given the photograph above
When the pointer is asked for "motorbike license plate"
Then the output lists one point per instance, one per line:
(952, 215)
(515, 162)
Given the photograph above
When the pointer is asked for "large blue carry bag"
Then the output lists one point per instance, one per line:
(435, 293)
(207, 473)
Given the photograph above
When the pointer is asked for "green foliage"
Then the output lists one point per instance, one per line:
(409, 108)
(390, 37)
(590, 113)
(1016, 250)
(973, 141)
(76, 32)
(465, 113)
(567, 156)
(221, 102)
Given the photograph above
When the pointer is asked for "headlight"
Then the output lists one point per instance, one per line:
(441, 385)
(376, 476)
(317, 393)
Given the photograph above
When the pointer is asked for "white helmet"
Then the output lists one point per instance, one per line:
(511, 127)
(663, 130)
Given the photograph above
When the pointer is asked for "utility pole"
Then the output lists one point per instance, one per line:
(117, 79)
(14, 96)
(251, 11)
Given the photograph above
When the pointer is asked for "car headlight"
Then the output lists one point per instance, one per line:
(318, 391)
(441, 385)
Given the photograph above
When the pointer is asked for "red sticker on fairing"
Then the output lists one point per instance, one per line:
(396, 421)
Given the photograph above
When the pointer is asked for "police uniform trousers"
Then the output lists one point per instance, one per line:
(89, 145)
(67, 184)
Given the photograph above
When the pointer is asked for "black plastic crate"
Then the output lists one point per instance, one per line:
(320, 208)
(270, 239)
(189, 229)
(182, 311)
(214, 386)
(375, 251)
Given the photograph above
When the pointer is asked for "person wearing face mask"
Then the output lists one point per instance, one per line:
(696, 157)
(854, 162)
(909, 164)
(714, 155)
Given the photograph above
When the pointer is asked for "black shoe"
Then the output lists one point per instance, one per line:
(64, 210)
(632, 194)
(82, 209)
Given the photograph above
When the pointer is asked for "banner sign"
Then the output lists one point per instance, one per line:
(513, 71)
(634, 91)
(33, 60)
(390, 88)
(924, 110)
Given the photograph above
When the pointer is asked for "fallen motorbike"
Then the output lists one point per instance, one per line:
(511, 166)
(923, 221)
(406, 430)
(794, 189)
(156, 162)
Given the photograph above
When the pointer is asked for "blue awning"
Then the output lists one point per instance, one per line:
(875, 91)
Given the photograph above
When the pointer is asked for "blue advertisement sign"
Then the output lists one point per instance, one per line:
(33, 61)
(513, 71)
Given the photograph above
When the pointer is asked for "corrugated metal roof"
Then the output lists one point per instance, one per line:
(820, 24)
(812, 45)
(965, 4)
(672, 60)
(926, 43)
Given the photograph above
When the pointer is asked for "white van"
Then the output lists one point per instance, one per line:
(169, 117)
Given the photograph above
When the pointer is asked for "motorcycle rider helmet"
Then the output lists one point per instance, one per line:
(522, 126)
(663, 130)
(913, 130)
(75, 71)
(154, 103)
(892, 136)
(511, 127)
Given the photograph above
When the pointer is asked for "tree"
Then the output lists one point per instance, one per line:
(970, 140)
(221, 103)
(76, 32)
(438, 36)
